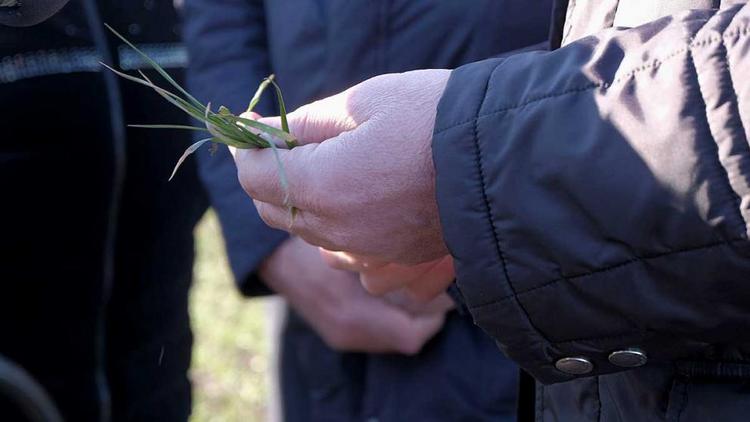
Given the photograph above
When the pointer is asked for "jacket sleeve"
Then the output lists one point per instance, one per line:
(596, 197)
(227, 46)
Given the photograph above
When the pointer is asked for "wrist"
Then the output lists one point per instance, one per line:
(280, 268)
(272, 270)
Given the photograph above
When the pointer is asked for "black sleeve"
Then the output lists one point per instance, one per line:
(596, 197)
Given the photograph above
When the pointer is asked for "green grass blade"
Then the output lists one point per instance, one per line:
(225, 127)
(282, 174)
(228, 133)
(191, 149)
(172, 98)
(282, 106)
(259, 93)
(285, 136)
(179, 127)
(195, 111)
(128, 77)
(155, 66)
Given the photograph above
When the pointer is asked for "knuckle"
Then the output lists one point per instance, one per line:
(410, 346)
(345, 323)
(247, 185)
(264, 212)
(335, 340)
(369, 284)
(422, 295)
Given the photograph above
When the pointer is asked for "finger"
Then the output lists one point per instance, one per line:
(282, 218)
(394, 330)
(349, 262)
(392, 277)
(318, 121)
(421, 329)
(441, 303)
(404, 299)
(278, 177)
(435, 282)
(251, 115)
(298, 222)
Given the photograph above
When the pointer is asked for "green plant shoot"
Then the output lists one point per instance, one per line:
(222, 126)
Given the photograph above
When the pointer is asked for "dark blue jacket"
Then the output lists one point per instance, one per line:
(595, 201)
(317, 48)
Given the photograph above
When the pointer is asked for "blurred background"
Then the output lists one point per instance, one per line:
(233, 369)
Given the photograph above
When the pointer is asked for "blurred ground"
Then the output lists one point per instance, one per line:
(231, 355)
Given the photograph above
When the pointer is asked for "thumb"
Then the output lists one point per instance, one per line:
(319, 121)
(419, 331)
(391, 330)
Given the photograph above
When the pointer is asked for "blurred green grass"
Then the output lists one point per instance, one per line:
(230, 366)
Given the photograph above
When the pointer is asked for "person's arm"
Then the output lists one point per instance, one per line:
(594, 198)
(227, 45)
(228, 51)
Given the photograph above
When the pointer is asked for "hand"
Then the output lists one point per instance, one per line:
(424, 281)
(364, 181)
(347, 318)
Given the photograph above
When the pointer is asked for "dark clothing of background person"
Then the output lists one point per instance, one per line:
(317, 48)
(96, 248)
(595, 199)
(28, 12)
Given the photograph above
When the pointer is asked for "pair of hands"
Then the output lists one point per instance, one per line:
(346, 317)
(363, 181)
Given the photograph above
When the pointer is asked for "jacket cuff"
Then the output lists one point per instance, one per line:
(468, 228)
(248, 279)
(489, 206)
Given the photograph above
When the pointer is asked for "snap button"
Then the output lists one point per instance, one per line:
(574, 365)
(628, 358)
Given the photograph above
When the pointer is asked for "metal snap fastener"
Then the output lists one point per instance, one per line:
(628, 358)
(574, 365)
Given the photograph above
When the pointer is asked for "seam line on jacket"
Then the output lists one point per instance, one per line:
(742, 141)
(638, 336)
(719, 169)
(620, 414)
(609, 268)
(490, 220)
(598, 393)
(540, 405)
(743, 130)
(654, 64)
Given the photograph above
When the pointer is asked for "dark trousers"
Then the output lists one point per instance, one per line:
(460, 375)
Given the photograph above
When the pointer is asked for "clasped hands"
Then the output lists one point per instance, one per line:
(363, 182)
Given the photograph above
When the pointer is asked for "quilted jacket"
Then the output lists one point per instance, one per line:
(595, 199)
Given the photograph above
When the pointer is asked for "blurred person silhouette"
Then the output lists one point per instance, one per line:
(95, 271)
(346, 355)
